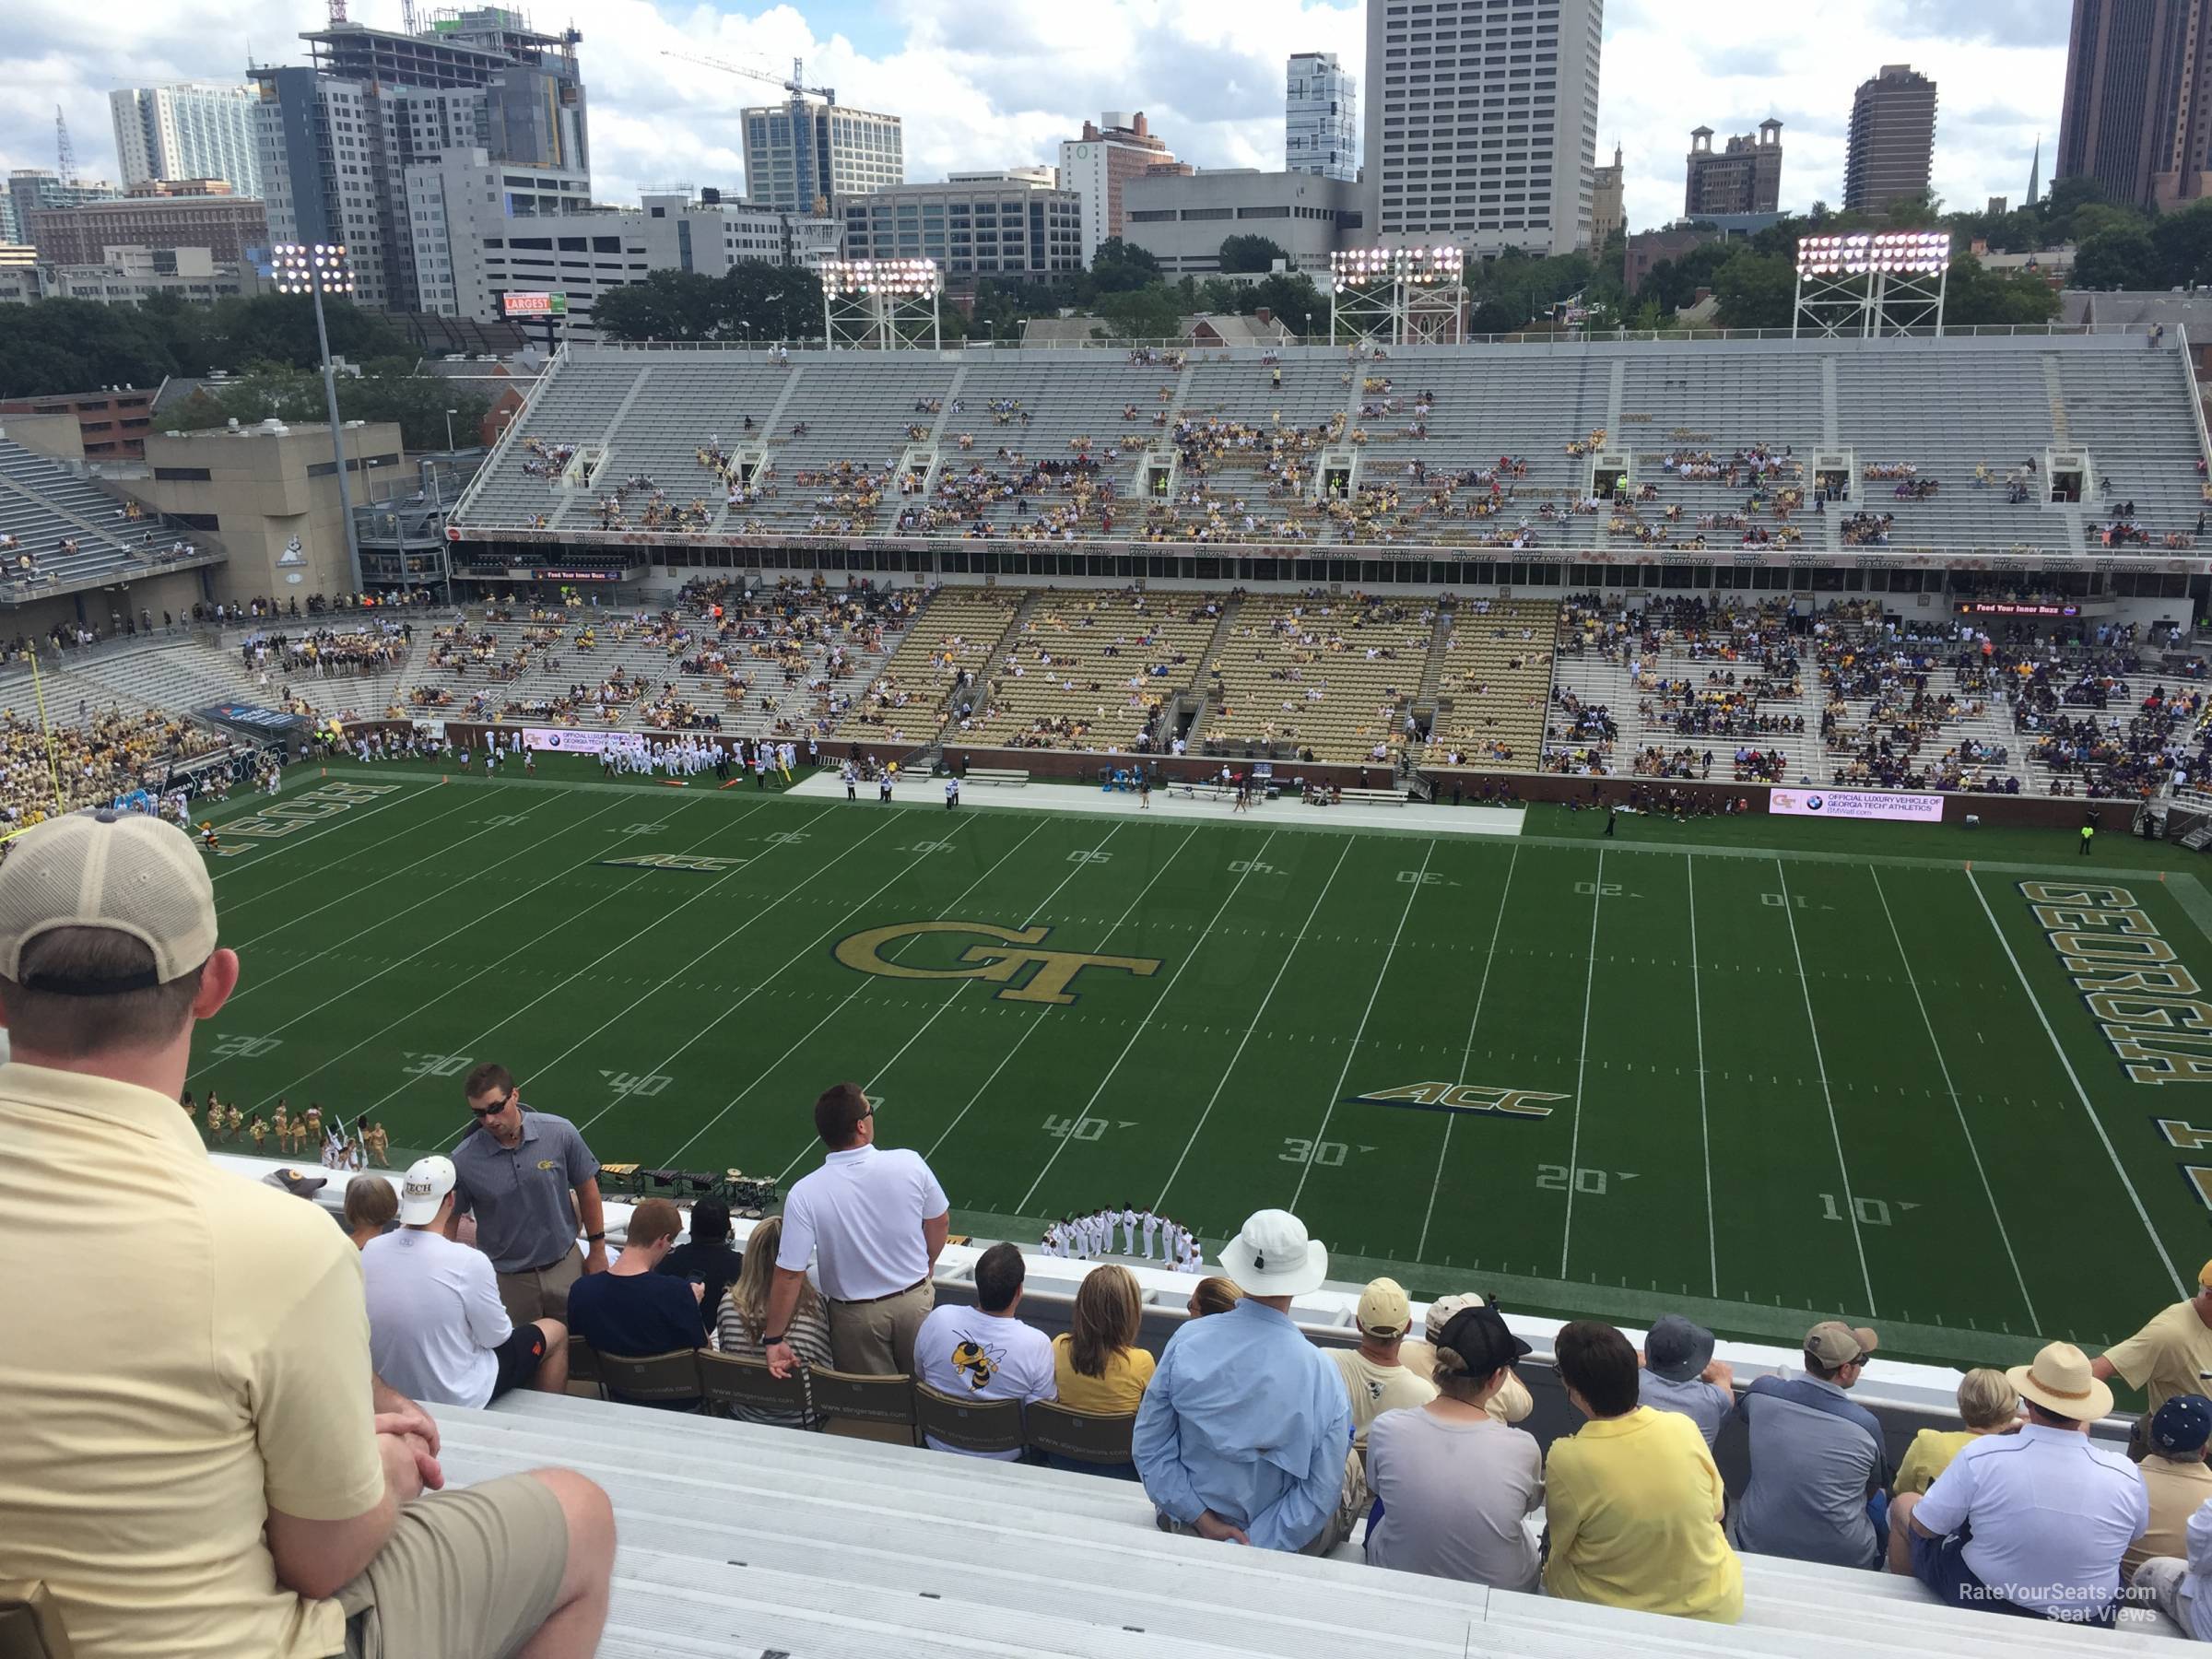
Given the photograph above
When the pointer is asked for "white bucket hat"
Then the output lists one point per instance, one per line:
(1273, 1257)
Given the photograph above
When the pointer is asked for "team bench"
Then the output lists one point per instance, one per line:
(1007, 776)
(1358, 797)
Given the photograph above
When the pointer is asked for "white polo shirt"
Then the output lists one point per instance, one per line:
(2051, 1515)
(859, 1219)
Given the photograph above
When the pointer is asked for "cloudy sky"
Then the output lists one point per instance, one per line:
(996, 83)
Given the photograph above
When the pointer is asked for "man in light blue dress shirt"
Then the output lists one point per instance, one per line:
(1244, 1430)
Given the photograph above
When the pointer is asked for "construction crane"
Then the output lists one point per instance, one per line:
(807, 197)
(65, 152)
(795, 86)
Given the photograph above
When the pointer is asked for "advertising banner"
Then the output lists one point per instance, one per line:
(1856, 803)
(567, 741)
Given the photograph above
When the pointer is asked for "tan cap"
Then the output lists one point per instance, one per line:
(1385, 1309)
(123, 871)
(1833, 1343)
(2062, 1382)
(1445, 1309)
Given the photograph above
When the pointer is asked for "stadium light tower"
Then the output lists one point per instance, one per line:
(1874, 285)
(1398, 295)
(317, 269)
(881, 304)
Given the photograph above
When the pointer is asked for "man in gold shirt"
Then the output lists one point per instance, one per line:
(2171, 1355)
(208, 1467)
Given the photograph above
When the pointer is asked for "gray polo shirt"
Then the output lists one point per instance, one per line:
(1705, 1403)
(1814, 1459)
(519, 1195)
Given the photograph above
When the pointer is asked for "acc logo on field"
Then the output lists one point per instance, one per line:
(1462, 1096)
(1002, 962)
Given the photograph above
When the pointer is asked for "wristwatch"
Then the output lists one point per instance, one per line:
(769, 1342)
(597, 1238)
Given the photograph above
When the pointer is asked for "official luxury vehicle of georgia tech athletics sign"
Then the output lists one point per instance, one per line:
(1015, 951)
(1462, 1096)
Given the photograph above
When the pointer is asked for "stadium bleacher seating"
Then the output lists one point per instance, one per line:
(71, 531)
(1427, 428)
(735, 1534)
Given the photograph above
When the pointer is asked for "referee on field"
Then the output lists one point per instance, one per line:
(873, 1222)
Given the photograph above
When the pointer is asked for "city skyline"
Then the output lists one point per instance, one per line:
(969, 82)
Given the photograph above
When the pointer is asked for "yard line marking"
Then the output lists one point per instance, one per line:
(1582, 1065)
(351, 942)
(1467, 1056)
(622, 944)
(232, 906)
(340, 822)
(2080, 1093)
(1412, 892)
(437, 852)
(1029, 1030)
(1228, 1071)
(1958, 1105)
(865, 983)
(1158, 1003)
(804, 951)
(1697, 994)
(326, 1061)
(1835, 1131)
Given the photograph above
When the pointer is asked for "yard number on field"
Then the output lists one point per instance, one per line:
(1089, 855)
(434, 1066)
(1327, 1154)
(1596, 889)
(1250, 866)
(1871, 1212)
(1552, 1178)
(1077, 1128)
(628, 1083)
(247, 1048)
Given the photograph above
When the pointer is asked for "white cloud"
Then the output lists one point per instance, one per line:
(993, 83)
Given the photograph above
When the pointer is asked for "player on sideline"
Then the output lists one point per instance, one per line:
(851, 777)
(883, 789)
(952, 794)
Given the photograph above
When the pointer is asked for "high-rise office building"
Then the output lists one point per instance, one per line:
(2137, 116)
(1743, 176)
(800, 157)
(1893, 149)
(1112, 150)
(1013, 226)
(188, 130)
(1321, 117)
(336, 138)
(1482, 123)
(1609, 206)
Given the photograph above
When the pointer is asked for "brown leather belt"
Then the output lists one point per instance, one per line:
(863, 1302)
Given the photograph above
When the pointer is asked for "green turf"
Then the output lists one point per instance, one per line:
(1842, 1101)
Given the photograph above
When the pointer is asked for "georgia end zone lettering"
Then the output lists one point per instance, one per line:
(1013, 960)
(281, 817)
(2150, 1008)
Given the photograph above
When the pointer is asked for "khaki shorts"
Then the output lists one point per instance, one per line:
(877, 1338)
(541, 1293)
(465, 1574)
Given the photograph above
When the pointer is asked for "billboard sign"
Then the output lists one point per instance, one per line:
(1856, 803)
(536, 305)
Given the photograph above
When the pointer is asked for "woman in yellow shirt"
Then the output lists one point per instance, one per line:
(1987, 1405)
(1097, 1365)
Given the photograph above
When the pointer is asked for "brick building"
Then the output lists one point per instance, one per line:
(227, 226)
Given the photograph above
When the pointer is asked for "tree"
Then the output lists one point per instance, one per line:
(1244, 254)
(2116, 259)
(764, 301)
(393, 392)
(669, 305)
(1145, 313)
(1289, 296)
(1494, 317)
(1977, 295)
(1116, 268)
(1755, 291)
(2183, 241)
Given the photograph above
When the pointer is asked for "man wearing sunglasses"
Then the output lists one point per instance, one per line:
(528, 1179)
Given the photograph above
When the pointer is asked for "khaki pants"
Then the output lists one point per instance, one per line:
(877, 1338)
(467, 1574)
(541, 1292)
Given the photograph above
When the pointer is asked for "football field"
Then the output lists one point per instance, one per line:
(1759, 1084)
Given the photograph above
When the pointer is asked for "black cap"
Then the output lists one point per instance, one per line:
(1481, 1340)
